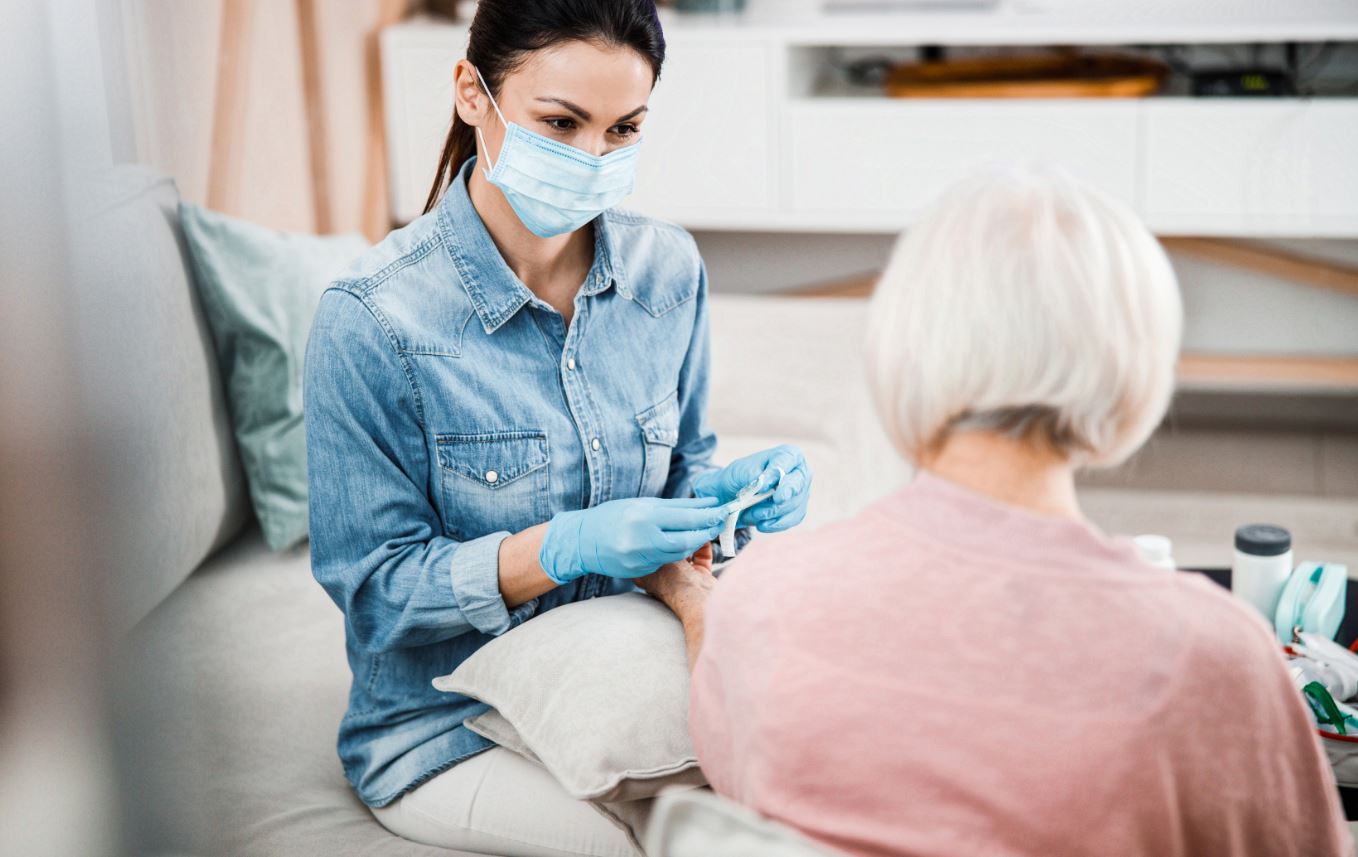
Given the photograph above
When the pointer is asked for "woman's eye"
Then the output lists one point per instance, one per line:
(561, 123)
(624, 130)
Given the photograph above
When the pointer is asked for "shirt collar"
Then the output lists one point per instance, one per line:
(495, 292)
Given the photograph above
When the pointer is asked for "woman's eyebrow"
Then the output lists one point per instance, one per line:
(583, 113)
(574, 108)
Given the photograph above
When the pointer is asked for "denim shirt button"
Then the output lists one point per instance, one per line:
(594, 444)
(492, 477)
(570, 364)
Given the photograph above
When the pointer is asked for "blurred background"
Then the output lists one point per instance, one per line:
(795, 138)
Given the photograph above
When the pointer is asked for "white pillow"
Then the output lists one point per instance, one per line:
(596, 690)
(701, 823)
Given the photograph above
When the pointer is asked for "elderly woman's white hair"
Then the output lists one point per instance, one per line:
(1027, 303)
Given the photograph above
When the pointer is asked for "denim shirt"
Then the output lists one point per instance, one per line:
(447, 407)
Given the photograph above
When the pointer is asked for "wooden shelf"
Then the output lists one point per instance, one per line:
(1284, 265)
(1280, 373)
(859, 286)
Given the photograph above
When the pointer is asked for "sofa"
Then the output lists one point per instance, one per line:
(233, 678)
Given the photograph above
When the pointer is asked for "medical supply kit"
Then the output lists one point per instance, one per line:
(1305, 605)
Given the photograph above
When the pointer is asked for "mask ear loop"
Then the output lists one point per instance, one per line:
(503, 121)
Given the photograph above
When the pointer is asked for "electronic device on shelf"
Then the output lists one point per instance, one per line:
(1243, 81)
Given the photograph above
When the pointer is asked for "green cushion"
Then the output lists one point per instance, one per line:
(259, 290)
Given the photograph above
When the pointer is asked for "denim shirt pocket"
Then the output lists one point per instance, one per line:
(493, 481)
(659, 434)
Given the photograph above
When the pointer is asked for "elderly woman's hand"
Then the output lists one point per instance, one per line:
(683, 587)
(702, 560)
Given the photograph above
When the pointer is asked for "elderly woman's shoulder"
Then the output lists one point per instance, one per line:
(1230, 640)
(784, 557)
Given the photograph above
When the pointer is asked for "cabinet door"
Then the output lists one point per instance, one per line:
(878, 163)
(1228, 166)
(1333, 133)
(706, 150)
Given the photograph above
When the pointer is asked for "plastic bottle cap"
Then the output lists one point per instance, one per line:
(1263, 540)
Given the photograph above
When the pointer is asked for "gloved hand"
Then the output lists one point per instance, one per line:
(628, 538)
(785, 509)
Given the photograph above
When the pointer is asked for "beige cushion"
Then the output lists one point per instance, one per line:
(597, 690)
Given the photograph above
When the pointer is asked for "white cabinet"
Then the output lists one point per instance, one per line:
(1333, 159)
(742, 135)
(1226, 165)
(1280, 167)
(879, 163)
(706, 145)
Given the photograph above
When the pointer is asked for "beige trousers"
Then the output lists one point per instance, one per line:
(499, 803)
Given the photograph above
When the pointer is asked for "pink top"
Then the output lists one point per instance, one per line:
(947, 675)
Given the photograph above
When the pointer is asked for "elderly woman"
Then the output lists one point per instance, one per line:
(969, 666)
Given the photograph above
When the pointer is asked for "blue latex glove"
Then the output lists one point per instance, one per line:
(628, 538)
(785, 509)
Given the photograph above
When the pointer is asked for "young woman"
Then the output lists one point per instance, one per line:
(506, 411)
(987, 673)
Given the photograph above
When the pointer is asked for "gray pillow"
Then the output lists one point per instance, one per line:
(596, 690)
(259, 289)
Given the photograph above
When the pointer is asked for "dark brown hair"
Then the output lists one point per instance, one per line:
(505, 32)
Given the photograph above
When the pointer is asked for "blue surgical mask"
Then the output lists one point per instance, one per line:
(555, 188)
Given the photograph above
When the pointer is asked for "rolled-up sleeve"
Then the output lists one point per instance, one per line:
(697, 441)
(376, 543)
(476, 586)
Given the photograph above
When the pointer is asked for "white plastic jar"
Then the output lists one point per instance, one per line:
(1157, 550)
(1263, 560)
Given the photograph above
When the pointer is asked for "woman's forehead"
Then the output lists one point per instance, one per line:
(608, 81)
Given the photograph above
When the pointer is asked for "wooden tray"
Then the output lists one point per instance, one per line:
(1053, 76)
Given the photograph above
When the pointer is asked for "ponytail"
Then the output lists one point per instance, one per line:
(457, 150)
